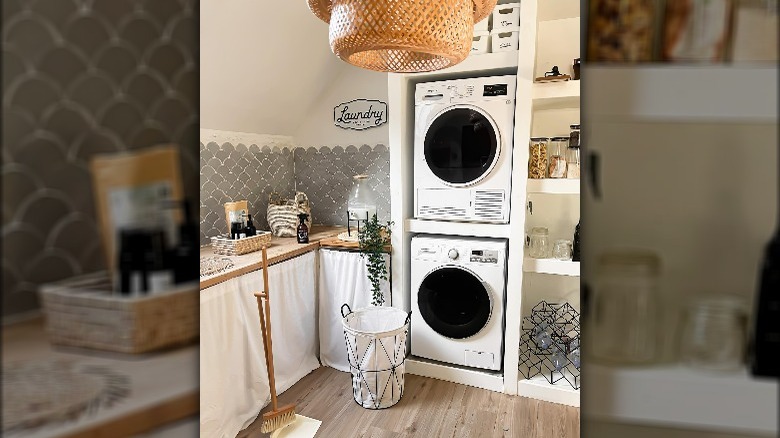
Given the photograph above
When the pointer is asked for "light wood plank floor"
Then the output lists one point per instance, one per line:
(429, 408)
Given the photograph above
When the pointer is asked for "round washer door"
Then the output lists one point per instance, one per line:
(461, 145)
(454, 302)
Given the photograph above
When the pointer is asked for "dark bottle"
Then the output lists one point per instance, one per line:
(575, 68)
(575, 251)
(765, 339)
(250, 229)
(303, 230)
(236, 228)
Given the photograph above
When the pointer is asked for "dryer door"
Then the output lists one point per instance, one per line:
(462, 145)
(454, 302)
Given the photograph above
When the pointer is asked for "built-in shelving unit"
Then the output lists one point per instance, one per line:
(554, 186)
(529, 97)
(683, 397)
(552, 267)
(457, 228)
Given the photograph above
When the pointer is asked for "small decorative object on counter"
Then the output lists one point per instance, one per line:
(250, 229)
(625, 312)
(562, 249)
(283, 213)
(540, 243)
(556, 154)
(715, 333)
(550, 343)
(361, 206)
(575, 68)
(576, 247)
(537, 158)
(303, 230)
(621, 30)
(554, 75)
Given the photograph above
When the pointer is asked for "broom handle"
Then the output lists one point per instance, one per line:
(265, 321)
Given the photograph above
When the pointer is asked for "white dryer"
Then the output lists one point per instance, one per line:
(458, 299)
(463, 149)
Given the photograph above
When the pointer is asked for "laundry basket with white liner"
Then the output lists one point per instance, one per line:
(376, 351)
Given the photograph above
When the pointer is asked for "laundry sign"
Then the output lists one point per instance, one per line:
(360, 114)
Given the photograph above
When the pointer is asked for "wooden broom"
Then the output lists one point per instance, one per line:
(277, 417)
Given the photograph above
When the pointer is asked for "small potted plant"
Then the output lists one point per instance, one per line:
(373, 238)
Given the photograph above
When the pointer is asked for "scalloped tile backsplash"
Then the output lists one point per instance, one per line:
(233, 172)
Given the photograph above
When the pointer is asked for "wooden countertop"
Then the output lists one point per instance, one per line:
(281, 249)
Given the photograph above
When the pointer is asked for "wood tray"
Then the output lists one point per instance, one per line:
(83, 312)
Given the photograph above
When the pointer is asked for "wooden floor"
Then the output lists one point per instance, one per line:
(429, 408)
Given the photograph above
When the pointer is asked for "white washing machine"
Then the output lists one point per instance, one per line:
(463, 149)
(458, 299)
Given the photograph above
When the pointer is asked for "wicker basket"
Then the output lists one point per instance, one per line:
(82, 312)
(235, 247)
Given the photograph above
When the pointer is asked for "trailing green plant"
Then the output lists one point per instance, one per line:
(373, 237)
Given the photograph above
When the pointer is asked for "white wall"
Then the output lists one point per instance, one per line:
(266, 68)
(350, 83)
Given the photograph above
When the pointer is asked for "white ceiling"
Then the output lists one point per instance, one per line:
(263, 63)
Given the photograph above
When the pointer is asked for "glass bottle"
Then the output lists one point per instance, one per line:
(303, 230)
(556, 155)
(540, 243)
(362, 203)
(250, 229)
(625, 311)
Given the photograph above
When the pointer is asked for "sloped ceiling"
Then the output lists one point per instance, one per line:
(263, 64)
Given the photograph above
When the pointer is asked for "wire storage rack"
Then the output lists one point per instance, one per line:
(550, 343)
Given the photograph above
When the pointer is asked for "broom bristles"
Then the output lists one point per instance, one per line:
(278, 419)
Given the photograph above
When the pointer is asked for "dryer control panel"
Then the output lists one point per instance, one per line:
(483, 256)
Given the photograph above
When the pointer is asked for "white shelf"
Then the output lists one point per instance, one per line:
(552, 185)
(484, 64)
(684, 93)
(551, 266)
(556, 95)
(679, 396)
(539, 388)
(457, 228)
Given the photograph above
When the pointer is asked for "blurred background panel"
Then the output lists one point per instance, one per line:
(680, 203)
(83, 78)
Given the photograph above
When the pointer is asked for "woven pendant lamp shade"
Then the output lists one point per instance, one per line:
(401, 35)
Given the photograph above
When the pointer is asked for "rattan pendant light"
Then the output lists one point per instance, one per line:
(401, 36)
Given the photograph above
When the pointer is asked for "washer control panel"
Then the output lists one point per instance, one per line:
(484, 256)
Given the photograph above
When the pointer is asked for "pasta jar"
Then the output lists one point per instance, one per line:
(621, 30)
(540, 243)
(556, 157)
(537, 157)
(625, 308)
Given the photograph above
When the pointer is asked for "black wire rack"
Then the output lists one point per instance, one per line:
(550, 343)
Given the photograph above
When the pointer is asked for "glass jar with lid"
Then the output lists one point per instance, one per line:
(715, 333)
(573, 153)
(625, 311)
(540, 243)
(557, 158)
(361, 205)
(537, 157)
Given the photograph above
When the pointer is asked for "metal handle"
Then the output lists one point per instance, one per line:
(344, 315)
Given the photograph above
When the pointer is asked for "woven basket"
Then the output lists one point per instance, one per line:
(433, 35)
(282, 214)
(83, 312)
(235, 247)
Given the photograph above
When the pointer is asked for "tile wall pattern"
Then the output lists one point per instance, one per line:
(231, 172)
(234, 172)
(82, 77)
(325, 175)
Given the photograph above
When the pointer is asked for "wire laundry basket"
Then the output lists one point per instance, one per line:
(376, 351)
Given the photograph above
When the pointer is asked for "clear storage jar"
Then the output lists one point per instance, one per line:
(557, 158)
(537, 158)
(623, 326)
(540, 243)
(715, 333)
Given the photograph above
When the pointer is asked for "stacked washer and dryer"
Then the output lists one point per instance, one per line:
(462, 173)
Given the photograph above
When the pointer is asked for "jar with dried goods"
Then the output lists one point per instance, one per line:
(557, 158)
(537, 157)
(621, 30)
